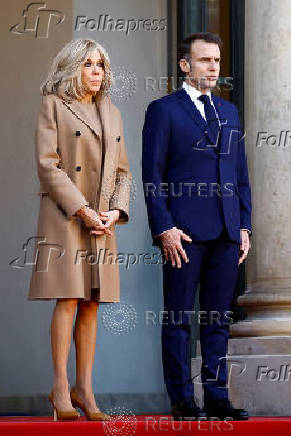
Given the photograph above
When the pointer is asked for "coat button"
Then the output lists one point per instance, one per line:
(78, 133)
(78, 168)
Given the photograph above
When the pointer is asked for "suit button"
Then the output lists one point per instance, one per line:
(78, 168)
(78, 133)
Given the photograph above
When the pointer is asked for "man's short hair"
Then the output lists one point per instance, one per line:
(185, 46)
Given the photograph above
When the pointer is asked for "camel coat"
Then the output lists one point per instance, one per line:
(80, 161)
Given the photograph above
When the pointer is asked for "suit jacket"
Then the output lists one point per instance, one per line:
(67, 151)
(191, 180)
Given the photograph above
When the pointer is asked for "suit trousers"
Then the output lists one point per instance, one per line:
(213, 264)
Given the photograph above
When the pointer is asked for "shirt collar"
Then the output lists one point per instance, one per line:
(193, 92)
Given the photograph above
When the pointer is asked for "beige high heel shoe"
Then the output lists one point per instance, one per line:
(91, 416)
(63, 414)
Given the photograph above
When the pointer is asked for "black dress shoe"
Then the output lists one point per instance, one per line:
(223, 410)
(187, 411)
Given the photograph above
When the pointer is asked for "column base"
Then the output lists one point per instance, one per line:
(259, 375)
(261, 327)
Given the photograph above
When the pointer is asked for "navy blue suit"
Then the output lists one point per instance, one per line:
(177, 151)
(199, 184)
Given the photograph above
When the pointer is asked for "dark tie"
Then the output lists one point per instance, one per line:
(211, 118)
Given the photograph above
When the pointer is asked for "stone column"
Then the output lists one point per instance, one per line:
(268, 141)
(262, 342)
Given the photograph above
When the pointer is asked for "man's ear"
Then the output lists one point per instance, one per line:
(185, 66)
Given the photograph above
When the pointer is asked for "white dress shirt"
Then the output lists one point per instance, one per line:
(194, 94)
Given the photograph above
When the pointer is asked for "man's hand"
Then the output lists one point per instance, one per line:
(245, 245)
(172, 247)
(109, 218)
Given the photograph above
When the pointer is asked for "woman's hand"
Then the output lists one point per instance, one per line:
(92, 220)
(109, 217)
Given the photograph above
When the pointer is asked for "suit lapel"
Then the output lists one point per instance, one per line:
(224, 128)
(188, 105)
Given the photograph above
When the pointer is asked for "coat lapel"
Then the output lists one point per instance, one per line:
(80, 111)
(107, 122)
(103, 104)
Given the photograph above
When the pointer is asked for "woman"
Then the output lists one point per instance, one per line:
(84, 188)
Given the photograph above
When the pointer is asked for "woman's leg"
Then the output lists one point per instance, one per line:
(85, 340)
(61, 334)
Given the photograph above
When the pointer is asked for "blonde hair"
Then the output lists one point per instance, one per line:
(64, 78)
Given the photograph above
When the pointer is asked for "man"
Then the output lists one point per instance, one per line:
(198, 200)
